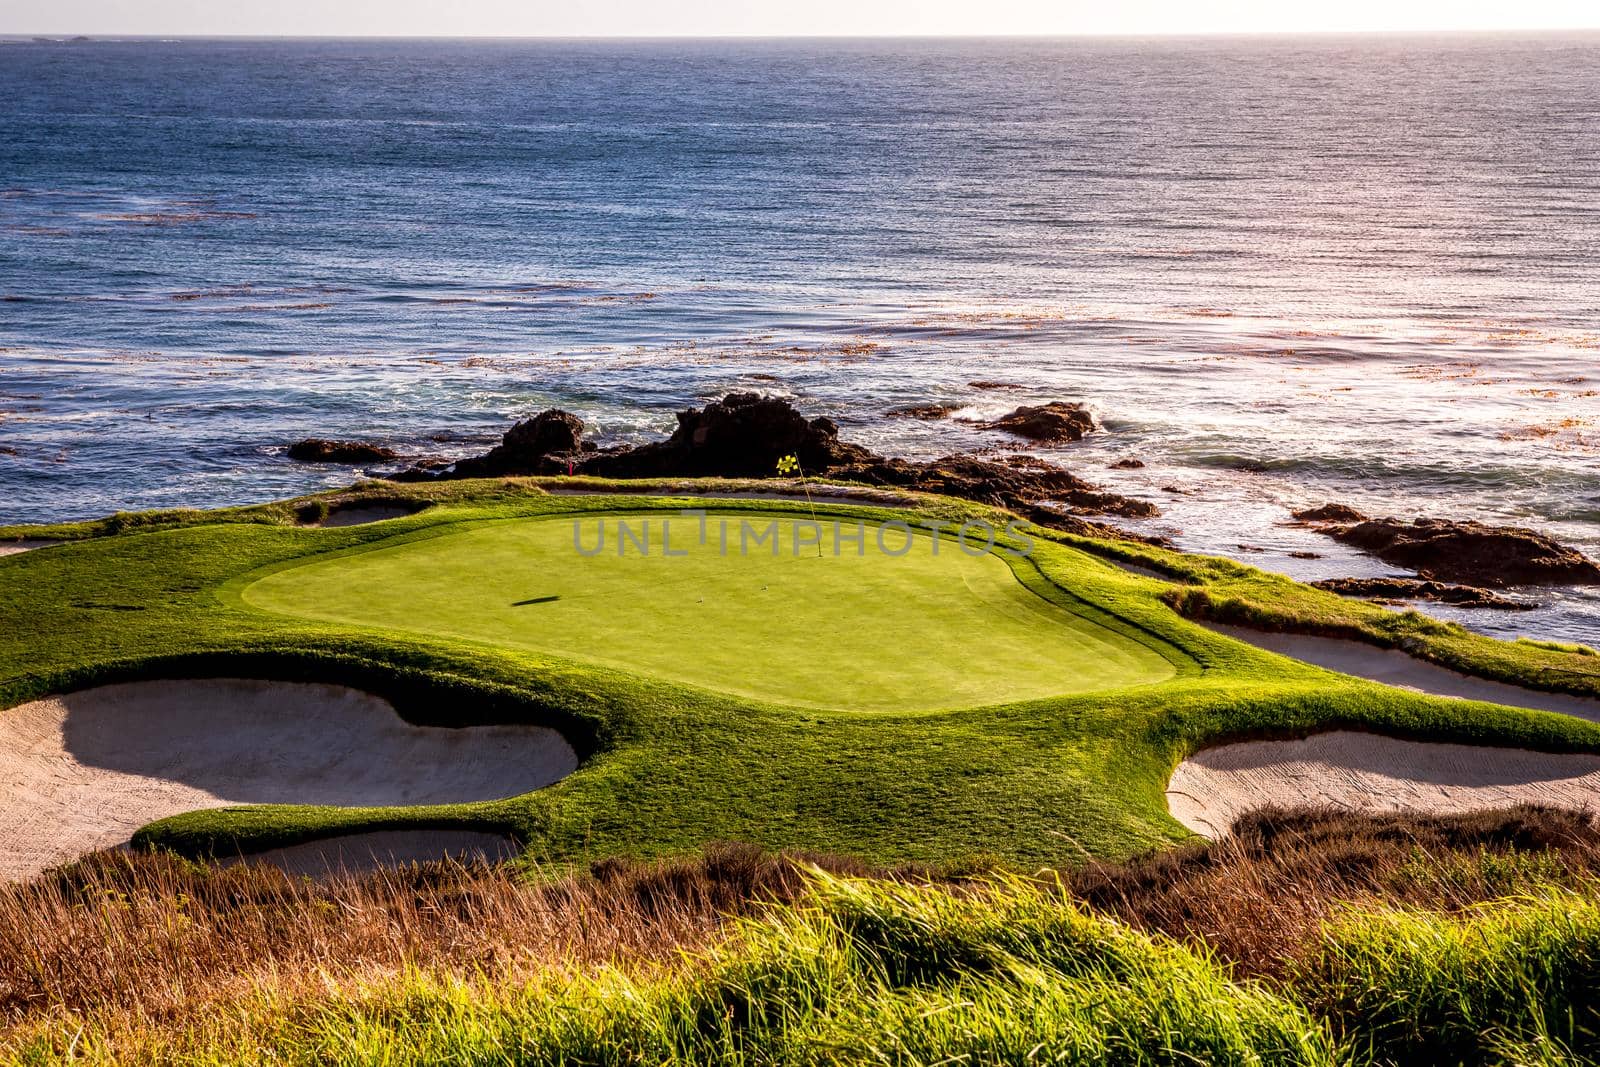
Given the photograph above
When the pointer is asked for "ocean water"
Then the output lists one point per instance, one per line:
(1284, 271)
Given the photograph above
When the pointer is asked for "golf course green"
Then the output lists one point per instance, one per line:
(901, 702)
(906, 622)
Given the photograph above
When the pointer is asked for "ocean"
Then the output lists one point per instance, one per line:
(1284, 271)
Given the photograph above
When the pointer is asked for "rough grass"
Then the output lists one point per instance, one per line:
(153, 934)
(1470, 939)
(668, 766)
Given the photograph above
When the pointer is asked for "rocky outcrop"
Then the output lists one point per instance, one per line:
(322, 450)
(1014, 485)
(925, 412)
(1329, 513)
(743, 435)
(1053, 423)
(1468, 553)
(548, 443)
(1471, 552)
(1385, 589)
(549, 431)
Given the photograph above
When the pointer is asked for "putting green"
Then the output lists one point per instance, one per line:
(864, 628)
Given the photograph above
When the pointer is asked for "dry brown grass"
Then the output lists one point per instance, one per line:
(158, 937)
(149, 944)
(1260, 895)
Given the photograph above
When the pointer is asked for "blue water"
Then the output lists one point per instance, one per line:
(1284, 270)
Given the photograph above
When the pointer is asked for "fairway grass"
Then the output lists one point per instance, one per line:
(910, 623)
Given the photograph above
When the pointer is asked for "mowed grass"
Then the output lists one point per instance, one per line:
(756, 609)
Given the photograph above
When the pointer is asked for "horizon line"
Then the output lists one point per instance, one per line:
(36, 35)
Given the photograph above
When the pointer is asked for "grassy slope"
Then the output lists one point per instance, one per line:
(858, 971)
(668, 767)
(1227, 591)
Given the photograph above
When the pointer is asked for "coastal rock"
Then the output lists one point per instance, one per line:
(926, 412)
(322, 450)
(1026, 482)
(1128, 465)
(743, 435)
(549, 431)
(1329, 513)
(1466, 596)
(540, 445)
(1470, 553)
(1052, 423)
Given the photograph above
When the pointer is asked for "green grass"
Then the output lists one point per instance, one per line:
(911, 623)
(857, 973)
(1004, 971)
(1422, 985)
(991, 729)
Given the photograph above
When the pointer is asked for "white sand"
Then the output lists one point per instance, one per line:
(1369, 772)
(355, 853)
(83, 771)
(1393, 667)
(27, 544)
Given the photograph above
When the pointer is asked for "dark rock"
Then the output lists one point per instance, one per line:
(1051, 423)
(1305, 555)
(1330, 513)
(987, 385)
(743, 435)
(1004, 485)
(322, 450)
(926, 412)
(540, 445)
(549, 431)
(1467, 596)
(1128, 465)
(1470, 553)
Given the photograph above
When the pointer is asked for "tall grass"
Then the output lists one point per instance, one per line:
(854, 972)
(1464, 989)
(1307, 938)
(155, 935)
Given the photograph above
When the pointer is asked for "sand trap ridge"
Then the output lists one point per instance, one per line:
(83, 771)
(1393, 667)
(1369, 772)
(355, 853)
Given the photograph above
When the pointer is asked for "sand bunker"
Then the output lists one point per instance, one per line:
(357, 853)
(84, 771)
(27, 544)
(1369, 772)
(360, 515)
(1392, 667)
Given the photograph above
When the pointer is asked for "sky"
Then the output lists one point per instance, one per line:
(651, 18)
